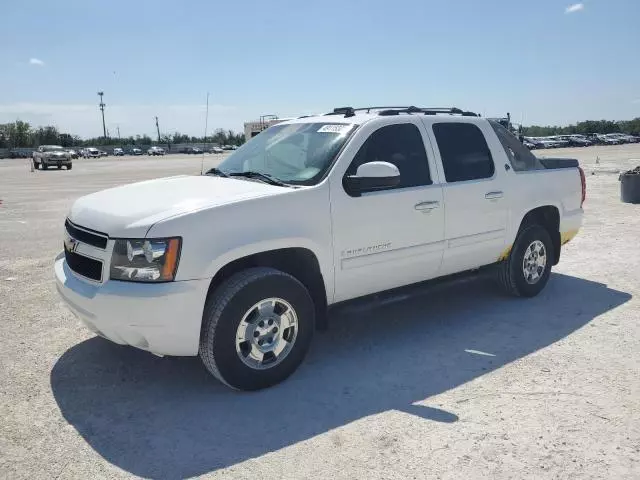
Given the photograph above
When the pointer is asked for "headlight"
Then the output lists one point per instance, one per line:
(145, 260)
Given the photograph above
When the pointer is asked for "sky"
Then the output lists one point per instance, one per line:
(547, 61)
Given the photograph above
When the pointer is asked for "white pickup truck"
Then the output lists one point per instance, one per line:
(240, 265)
(46, 156)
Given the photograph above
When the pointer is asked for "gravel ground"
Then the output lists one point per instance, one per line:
(454, 382)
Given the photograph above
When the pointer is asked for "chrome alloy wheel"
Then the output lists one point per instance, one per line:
(534, 262)
(267, 333)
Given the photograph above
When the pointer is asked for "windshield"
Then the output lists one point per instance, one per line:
(52, 149)
(298, 153)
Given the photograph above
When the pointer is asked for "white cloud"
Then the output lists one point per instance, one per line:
(636, 101)
(576, 7)
(36, 61)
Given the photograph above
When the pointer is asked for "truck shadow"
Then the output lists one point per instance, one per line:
(167, 418)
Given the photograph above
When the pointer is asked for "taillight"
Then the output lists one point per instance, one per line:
(583, 181)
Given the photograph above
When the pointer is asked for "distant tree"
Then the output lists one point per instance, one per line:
(22, 134)
(66, 140)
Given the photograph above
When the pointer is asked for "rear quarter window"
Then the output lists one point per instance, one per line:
(520, 157)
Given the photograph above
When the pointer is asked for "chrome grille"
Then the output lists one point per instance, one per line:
(86, 235)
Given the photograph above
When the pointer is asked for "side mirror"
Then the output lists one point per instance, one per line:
(372, 176)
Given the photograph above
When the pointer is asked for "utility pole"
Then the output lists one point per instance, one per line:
(158, 128)
(102, 105)
(119, 140)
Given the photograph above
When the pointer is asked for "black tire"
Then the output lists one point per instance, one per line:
(43, 166)
(59, 167)
(510, 272)
(223, 312)
(69, 167)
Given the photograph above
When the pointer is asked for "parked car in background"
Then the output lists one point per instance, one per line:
(118, 152)
(51, 156)
(216, 150)
(545, 142)
(535, 142)
(20, 153)
(136, 151)
(607, 140)
(575, 140)
(623, 137)
(528, 144)
(191, 150)
(91, 152)
(155, 151)
(73, 153)
(558, 142)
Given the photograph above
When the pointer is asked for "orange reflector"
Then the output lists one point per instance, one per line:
(171, 260)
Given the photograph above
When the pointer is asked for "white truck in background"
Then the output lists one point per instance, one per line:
(47, 156)
(239, 265)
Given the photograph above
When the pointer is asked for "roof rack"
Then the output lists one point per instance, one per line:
(386, 111)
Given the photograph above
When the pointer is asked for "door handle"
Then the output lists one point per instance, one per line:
(427, 205)
(493, 195)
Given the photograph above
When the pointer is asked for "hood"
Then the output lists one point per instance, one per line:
(130, 210)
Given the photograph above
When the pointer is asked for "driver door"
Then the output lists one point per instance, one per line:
(393, 237)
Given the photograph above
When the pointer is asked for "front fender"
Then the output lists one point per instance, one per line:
(323, 255)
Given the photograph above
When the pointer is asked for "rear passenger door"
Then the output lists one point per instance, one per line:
(473, 191)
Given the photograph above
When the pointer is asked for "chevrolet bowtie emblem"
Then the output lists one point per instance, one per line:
(70, 243)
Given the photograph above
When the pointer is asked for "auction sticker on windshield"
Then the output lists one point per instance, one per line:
(335, 128)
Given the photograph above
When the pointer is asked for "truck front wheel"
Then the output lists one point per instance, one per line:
(256, 328)
(527, 269)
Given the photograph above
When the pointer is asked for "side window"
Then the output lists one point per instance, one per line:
(464, 152)
(520, 157)
(400, 144)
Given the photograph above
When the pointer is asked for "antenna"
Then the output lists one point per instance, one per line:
(204, 140)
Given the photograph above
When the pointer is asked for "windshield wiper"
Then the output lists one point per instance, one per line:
(265, 177)
(216, 171)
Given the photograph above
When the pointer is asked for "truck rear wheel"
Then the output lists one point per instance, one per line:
(256, 328)
(527, 269)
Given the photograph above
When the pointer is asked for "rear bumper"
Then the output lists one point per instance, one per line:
(161, 318)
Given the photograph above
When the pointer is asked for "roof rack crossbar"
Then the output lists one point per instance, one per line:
(350, 111)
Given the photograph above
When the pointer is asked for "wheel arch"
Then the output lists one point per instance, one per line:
(299, 262)
(547, 216)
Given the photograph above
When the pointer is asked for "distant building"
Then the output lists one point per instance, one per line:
(251, 129)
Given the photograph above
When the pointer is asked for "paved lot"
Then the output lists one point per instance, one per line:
(457, 382)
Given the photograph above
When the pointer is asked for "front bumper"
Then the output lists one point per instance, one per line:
(56, 161)
(162, 318)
